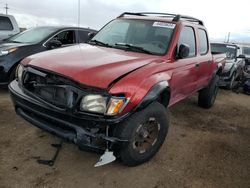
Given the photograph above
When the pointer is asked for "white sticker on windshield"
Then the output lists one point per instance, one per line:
(164, 24)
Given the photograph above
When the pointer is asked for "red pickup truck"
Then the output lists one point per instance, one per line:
(112, 94)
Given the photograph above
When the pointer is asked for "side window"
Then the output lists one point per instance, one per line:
(66, 37)
(187, 37)
(83, 35)
(5, 24)
(203, 42)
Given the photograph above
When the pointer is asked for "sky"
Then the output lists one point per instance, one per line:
(220, 16)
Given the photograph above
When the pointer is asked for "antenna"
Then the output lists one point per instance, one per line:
(78, 19)
(6, 8)
(79, 12)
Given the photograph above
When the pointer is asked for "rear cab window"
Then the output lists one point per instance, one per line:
(187, 37)
(203, 42)
(5, 24)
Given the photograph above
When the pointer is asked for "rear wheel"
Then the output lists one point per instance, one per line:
(208, 95)
(146, 131)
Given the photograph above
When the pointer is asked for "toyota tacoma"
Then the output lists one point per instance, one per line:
(111, 95)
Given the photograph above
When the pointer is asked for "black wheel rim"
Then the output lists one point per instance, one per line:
(146, 135)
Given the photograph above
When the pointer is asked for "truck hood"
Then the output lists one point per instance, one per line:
(90, 65)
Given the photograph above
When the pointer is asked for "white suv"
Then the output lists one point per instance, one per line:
(8, 26)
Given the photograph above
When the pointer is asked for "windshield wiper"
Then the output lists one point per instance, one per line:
(99, 43)
(13, 41)
(133, 47)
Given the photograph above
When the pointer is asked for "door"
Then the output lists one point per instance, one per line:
(205, 67)
(184, 77)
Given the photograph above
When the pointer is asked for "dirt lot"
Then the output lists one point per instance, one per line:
(204, 148)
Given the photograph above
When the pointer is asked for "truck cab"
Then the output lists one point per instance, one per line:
(8, 26)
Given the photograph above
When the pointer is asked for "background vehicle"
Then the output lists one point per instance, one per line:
(246, 52)
(8, 26)
(246, 71)
(235, 62)
(111, 94)
(35, 40)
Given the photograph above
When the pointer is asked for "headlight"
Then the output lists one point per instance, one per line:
(98, 104)
(94, 103)
(6, 52)
(19, 73)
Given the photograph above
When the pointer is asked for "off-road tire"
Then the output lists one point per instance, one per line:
(231, 82)
(129, 129)
(208, 95)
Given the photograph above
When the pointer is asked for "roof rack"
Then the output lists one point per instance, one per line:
(176, 17)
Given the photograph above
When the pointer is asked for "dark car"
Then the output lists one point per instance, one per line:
(235, 63)
(35, 40)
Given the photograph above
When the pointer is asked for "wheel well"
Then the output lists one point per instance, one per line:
(164, 97)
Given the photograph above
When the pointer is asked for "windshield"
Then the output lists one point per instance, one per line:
(34, 35)
(246, 51)
(150, 36)
(230, 50)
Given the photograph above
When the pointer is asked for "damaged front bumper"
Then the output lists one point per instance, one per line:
(88, 132)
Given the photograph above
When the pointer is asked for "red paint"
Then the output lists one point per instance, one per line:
(100, 66)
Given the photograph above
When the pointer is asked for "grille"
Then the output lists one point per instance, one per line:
(53, 89)
(225, 74)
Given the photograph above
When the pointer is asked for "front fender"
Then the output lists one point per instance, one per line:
(155, 92)
(141, 91)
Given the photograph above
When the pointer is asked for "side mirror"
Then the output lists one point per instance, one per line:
(183, 51)
(54, 44)
(241, 56)
(91, 35)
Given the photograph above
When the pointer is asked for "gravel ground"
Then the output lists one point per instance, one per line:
(204, 148)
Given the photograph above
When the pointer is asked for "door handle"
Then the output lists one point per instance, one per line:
(197, 65)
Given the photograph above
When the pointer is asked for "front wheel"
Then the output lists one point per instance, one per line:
(208, 95)
(146, 131)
